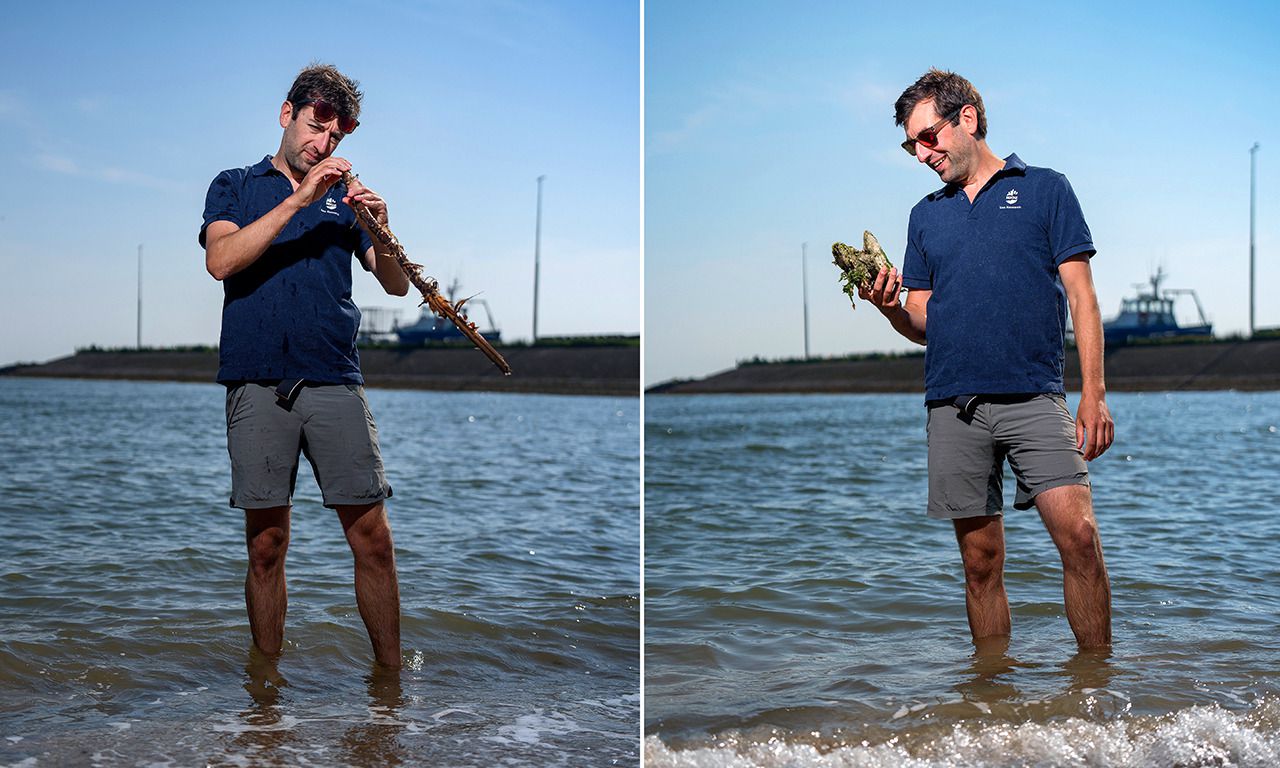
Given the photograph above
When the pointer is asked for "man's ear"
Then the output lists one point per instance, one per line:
(969, 119)
(286, 113)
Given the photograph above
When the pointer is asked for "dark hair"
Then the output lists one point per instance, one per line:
(324, 81)
(949, 93)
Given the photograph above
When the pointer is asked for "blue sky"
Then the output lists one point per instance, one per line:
(117, 116)
(768, 125)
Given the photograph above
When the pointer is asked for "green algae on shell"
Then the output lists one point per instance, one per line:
(859, 267)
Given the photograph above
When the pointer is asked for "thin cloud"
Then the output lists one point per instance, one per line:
(67, 166)
(667, 141)
(58, 164)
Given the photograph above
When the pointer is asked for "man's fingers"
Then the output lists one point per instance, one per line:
(1106, 434)
(878, 284)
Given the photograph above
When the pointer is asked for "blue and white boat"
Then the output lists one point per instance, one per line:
(431, 327)
(1149, 315)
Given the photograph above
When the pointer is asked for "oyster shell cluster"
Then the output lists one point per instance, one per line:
(859, 268)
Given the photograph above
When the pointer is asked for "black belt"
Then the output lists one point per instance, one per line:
(287, 390)
(967, 404)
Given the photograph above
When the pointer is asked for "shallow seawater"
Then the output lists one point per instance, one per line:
(801, 609)
(123, 637)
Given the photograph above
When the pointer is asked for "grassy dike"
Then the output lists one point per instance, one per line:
(599, 367)
(1213, 365)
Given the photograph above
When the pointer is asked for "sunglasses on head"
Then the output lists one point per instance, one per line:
(324, 112)
(929, 136)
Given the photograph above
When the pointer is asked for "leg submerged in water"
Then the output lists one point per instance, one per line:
(1067, 512)
(267, 538)
(981, 542)
(377, 589)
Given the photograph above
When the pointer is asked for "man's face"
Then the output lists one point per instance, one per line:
(307, 141)
(955, 152)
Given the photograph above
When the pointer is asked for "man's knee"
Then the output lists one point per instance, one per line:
(369, 534)
(376, 547)
(267, 551)
(267, 537)
(983, 568)
(1080, 545)
(1068, 511)
(982, 551)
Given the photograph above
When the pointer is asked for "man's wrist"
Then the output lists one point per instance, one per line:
(893, 311)
(1094, 391)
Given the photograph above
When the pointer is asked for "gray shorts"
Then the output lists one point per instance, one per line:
(966, 453)
(330, 424)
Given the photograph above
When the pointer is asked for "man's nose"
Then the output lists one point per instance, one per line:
(923, 153)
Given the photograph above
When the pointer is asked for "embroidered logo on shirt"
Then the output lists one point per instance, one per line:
(331, 206)
(1011, 200)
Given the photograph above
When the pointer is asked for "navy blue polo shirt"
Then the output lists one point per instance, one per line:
(998, 313)
(289, 315)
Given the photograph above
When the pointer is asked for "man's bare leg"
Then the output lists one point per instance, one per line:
(1067, 511)
(377, 590)
(266, 533)
(981, 542)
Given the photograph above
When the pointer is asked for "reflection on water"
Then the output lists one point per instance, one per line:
(991, 674)
(377, 742)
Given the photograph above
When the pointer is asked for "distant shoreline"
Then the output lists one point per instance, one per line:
(559, 370)
(1218, 365)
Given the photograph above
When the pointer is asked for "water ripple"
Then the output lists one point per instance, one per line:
(122, 574)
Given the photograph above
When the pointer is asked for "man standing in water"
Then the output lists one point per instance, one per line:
(992, 260)
(276, 236)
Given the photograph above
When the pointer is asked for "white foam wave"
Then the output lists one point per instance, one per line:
(1197, 736)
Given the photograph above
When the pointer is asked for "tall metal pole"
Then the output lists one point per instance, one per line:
(537, 258)
(804, 276)
(139, 336)
(1253, 168)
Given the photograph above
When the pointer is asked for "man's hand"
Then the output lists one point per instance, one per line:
(1094, 428)
(358, 192)
(318, 180)
(883, 292)
(907, 319)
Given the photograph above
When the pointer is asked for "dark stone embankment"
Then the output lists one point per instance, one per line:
(567, 370)
(1244, 365)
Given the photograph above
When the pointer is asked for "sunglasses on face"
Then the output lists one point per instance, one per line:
(929, 136)
(324, 112)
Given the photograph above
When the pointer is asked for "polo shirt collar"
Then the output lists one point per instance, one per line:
(262, 168)
(1012, 165)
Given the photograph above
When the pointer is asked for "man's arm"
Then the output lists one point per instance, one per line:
(907, 319)
(384, 267)
(378, 259)
(1094, 428)
(230, 248)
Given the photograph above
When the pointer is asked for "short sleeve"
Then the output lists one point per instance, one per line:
(1068, 233)
(222, 203)
(915, 267)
